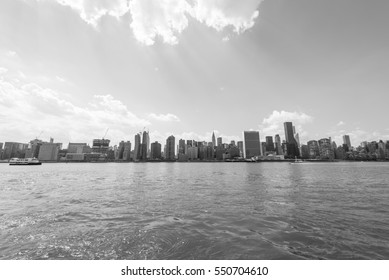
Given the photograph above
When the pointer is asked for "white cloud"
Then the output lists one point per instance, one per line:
(3, 70)
(91, 11)
(340, 123)
(30, 108)
(168, 18)
(164, 118)
(274, 123)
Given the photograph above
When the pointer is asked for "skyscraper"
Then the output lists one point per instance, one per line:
(251, 144)
(156, 149)
(346, 141)
(219, 141)
(137, 148)
(213, 139)
(269, 144)
(170, 148)
(278, 143)
(291, 143)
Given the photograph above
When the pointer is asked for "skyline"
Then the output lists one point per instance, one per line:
(76, 68)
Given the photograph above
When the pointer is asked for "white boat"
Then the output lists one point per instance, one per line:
(297, 161)
(24, 161)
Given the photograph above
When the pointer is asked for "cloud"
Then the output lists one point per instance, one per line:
(274, 123)
(91, 11)
(168, 18)
(164, 118)
(340, 123)
(29, 108)
(3, 70)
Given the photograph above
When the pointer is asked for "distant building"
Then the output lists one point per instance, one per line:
(292, 147)
(241, 148)
(269, 144)
(193, 153)
(325, 149)
(181, 146)
(156, 150)
(170, 148)
(304, 151)
(100, 146)
(219, 141)
(278, 145)
(14, 149)
(137, 147)
(346, 141)
(49, 151)
(213, 139)
(77, 148)
(313, 149)
(127, 151)
(33, 148)
(145, 145)
(251, 144)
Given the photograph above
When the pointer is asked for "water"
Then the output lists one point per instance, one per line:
(195, 211)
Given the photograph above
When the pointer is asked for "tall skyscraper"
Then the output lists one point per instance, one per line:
(278, 143)
(251, 144)
(346, 141)
(156, 150)
(219, 141)
(213, 139)
(241, 148)
(181, 146)
(137, 147)
(170, 148)
(292, 148)
(269, 144)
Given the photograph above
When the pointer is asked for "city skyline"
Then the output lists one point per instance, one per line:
(74, 69)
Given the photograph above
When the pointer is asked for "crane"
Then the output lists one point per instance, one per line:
(105, 133)
(39, 134)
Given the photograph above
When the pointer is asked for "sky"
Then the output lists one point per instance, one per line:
(73, 69)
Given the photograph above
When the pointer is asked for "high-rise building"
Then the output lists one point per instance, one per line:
(291, 143)
(33, 148)
(346, 141)
(181, 146)
(77, 148)
(325, 149)
(127, 151)
(251, 144)
(278, 143)
(145, 145)
(137, 147)
(156, 149)
(269, 144)
(170, 148)
(313, 149)
(241, 148)
(213, 139)
(219, 141)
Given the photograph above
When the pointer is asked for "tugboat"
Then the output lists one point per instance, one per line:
(24, 161)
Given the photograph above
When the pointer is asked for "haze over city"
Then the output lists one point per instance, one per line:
(72, 69)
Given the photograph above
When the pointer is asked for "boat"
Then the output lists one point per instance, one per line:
(297, 161)
(24, 161)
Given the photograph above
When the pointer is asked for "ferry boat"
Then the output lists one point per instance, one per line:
(24, 161)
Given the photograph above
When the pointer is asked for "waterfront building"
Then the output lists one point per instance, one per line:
(241, 149)
(213, 139)
(145, 146)
(292, 148)
(170, 148)
(263, 149)
(219, 141)
(14, 149)
(127, 151)
(49, 151)
(156, 150)
(137, 147)
(181, 146)
(233, 151)
(33, 148)
(251, 144)
(325, 149)
(77, 148)
(193, 153)
(269, 144)
(220, 151)
(346, 141)
(278, 145)
(304, 151)
(313, 149)
(100, 146)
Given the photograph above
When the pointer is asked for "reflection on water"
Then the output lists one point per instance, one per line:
(195, 211)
